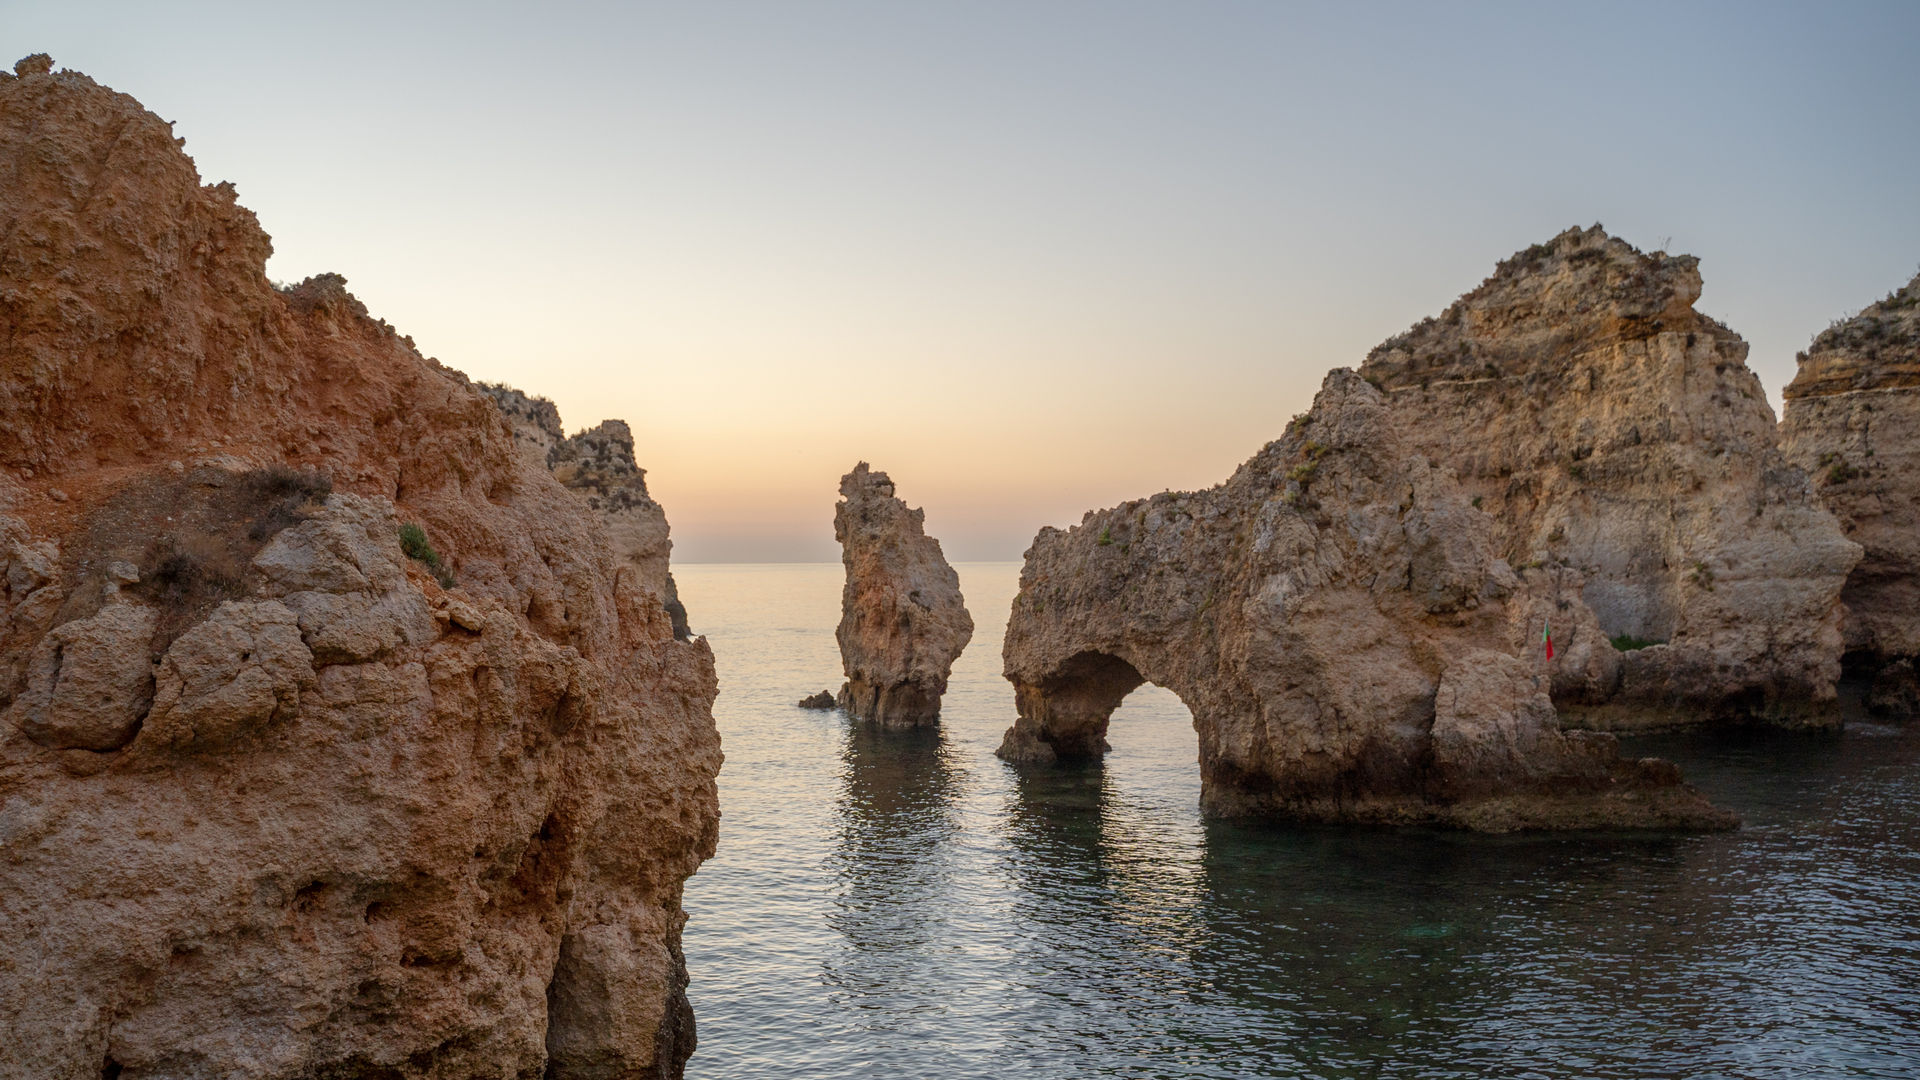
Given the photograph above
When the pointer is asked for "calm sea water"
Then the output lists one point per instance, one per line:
(909, 906)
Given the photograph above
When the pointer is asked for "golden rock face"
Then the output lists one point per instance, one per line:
(1608, 427)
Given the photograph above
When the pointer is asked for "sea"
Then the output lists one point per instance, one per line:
(903, 905)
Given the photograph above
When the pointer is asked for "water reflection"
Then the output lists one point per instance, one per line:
(893, 872)
(908, 906)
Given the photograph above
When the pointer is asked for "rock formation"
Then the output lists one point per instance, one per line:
(902, 619)
(822, 701)
(598, 463)
(273, 801)
(1610, 428)
(1852, 420)
(1338, 622)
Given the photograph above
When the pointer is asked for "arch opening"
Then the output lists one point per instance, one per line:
(1063, 716)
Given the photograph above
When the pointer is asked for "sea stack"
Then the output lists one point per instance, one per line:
(1614, 433)
(1852, 421)
(336, 740)
(1350, 644)
(902, 619)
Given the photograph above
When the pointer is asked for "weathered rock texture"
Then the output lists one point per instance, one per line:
(273, 803)
(1852, 420)
(1338, 622)
(598, 463)
(902, 619)
(1610, 428)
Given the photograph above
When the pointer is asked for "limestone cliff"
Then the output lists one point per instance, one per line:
(1337, 620)
(598, 463)
(1610, 428)
(902, 619)
(336, 740)
(1852, 420)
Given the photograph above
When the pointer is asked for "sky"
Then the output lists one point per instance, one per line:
(1030, 258)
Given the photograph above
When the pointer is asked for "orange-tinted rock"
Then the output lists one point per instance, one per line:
(325, 816)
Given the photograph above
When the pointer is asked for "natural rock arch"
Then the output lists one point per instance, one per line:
(1335, 619)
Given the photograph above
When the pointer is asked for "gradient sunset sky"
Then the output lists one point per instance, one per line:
(1030, 258)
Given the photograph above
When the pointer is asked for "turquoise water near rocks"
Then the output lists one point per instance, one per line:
(909, 906)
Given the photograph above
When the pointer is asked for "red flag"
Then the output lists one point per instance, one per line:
(1546, 635)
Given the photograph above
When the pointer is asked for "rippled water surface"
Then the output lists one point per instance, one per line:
(909, 906)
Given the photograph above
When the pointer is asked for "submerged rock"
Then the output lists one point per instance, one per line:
(1337, 621)
(1852, 420)
(1608, 427)
(599, 464)
(902, 619)
(275, 803)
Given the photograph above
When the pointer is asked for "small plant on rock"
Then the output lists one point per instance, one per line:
(413, 541)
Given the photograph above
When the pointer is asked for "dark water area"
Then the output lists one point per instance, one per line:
(906, 905)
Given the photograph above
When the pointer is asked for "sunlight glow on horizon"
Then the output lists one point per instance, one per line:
(1029, 260)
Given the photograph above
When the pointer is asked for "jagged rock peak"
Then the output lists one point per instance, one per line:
(1350, 646)
(1609, 428)
(902, 618)
(1577, 291)
(598, 463)
(1852, 420)
(346, 711)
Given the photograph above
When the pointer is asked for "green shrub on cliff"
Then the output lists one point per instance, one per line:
(413, 541)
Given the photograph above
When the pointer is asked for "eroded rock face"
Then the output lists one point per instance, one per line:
(1337, 621)
(1610, 428)
(274, 803)
(598, 463)
(902, 619)
(1852, 421)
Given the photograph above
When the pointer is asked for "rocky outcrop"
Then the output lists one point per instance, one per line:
(598, 463)
(1337, 620)
(1852, 421)
(1610, 429)
(822, 701)
(902, 619)
(273, 801)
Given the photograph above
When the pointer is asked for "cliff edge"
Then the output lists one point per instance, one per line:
(598, 463)
(337, 741)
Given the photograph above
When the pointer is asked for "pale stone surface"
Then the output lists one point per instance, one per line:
(89, 682)
(228, 676)
(1609, 427)
(599, 464)
(367, 826)
(1852, 420)
(902, 618)
(1308, 612)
